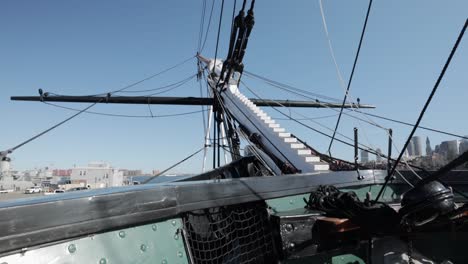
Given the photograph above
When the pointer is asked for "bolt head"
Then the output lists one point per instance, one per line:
(143, 247)
(288, 228)
(72, 248)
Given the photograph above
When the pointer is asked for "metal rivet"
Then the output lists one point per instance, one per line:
(154, 227)
(122, 234)
(164, 261)
(143, 247)
(71, 248)
(174, 222)
(103, 261)
(289, 228)
(176, 236)
(179, 254)
(291, 201)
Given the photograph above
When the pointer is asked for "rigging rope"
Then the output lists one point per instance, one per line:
(364, 147)
(241, 28)
(233, 14)
(208, 27)
(142, 80)
(369, 121)
(286, 86)
(149, 108)
(346, 90)
(340, 78)
(219, 31)
(173, 166)
(202, 107)
(152, 76)
(259, 130)
(463, 158)
(51, 128)
(294, 119)
(330, 46)
(409, 124)
(176, 84)
(202, 26)
(426, 105)
(90, 106)
(129, 116)
(257, 154)
(322, 103)
(304, 118)
(352, 73)
(216, 127)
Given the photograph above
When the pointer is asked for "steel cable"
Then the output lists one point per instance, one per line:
(426, 105)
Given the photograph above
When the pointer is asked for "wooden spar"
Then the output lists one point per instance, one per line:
(180, 101)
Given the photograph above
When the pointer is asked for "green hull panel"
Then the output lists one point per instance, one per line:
(284, 204)
(160, 242)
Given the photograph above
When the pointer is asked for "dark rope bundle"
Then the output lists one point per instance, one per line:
(374, 217)
(241, 28)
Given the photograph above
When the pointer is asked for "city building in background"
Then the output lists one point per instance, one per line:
(463, 145)
(129, 173)
(410, 149)
(103, 175)
(61, 172)
(94, 175)
(428, 147)
(378, 156)
(415, 147)
(97, 175)
(10, 180)
(443, 153)
(364, 156)
(449, 149)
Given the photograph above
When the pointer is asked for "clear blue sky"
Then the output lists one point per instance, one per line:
(85, 47)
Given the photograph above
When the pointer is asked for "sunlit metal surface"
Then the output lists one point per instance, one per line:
(160, 242)
(29, 222)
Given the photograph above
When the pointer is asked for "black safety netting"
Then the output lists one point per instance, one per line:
(238, 233)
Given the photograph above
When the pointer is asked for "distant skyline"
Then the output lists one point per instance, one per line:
(90, 47)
